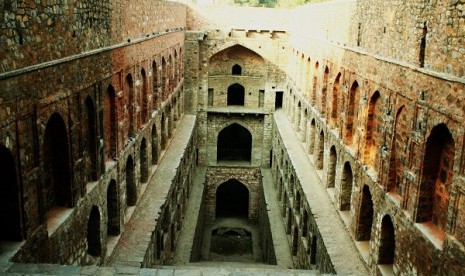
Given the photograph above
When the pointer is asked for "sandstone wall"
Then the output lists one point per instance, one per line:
(369, 111)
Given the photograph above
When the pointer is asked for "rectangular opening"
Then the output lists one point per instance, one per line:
(261, 98)
(210, 96)
(278, 102)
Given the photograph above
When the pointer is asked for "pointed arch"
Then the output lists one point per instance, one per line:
(352, 112)
(236, 70)
(319, 161)
(334, 101)
(372, 131)
(154, 145)
(144, 166)
(129, 91)
(110, 123)
(387, 242)
(131, 186)
(365, 216)
(436, 177)
(346, 187)
(113, 224)
(145, 97)
(91, 141)
(94, 246)
(332, 167)
(324, 90)
(232, 199)
(234, 143)
(236, 94)
(155, 85)
(57, 190)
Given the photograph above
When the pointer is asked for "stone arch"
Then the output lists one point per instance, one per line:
(324, 90)
(332, 167)
(155, 85)
(436, 177)
(145, 97)
(234, 144)
(94, 245)
(57, 190)
(131, 186)
(303, 125)
(313, 250)
(319, 161)
(398, 150)
(10, 205)
(154, 145)
(236, 70)
(236, 94)
(110, 123)
(129, 91)
(164, 81)
(387, 242)
(295, 240)
(164, 138)
(334, 101)
(305, 223)
(315, 82)
(144, 165)
(365, 216)
(311, 143)
(298, 114)
(113, 224)
(352, 111)
(91, 145)
(346, 187)
(232, 199)
(372, 131)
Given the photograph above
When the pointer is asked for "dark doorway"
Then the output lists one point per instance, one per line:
(365, 220)
(92, 139)
(131, 189)
(232, 199)
(9, 198)
(113, 226)
(278, 101)
(234, 144)
(57, 185)
(236, 69)
(94, 246)
(236, 94)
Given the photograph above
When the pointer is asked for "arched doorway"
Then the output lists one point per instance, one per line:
(113, 225)
(57, 185)
(144, 166)
(91, 139)
(131, 189)
(232, 199)
(365, 218)
(94, 246)
(9, 198)
(236, 94)
(234, 144)
(387, 243)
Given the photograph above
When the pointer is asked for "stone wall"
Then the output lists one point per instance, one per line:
(163, 242)
(37, 32)
(209, 75)
(371, 114)
(85, 129)
(250, 177)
